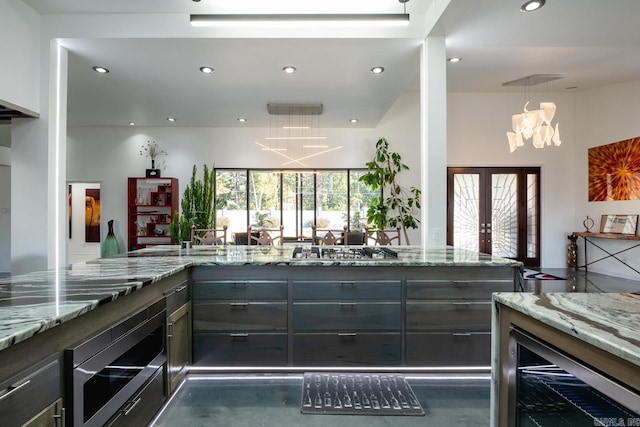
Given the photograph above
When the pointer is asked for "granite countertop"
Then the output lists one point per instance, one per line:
(609, 321)
(32, 303)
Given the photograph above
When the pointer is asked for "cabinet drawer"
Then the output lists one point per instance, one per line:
(143, 406)
(346, 317)
(243, 290)
(28, 394)
(245, 316)
(448, 349)
(240, 349)
(469, 316)
(477, 289)
(177, 297)
(347, 290)
(346, 349)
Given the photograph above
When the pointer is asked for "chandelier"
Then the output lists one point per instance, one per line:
(535, 125)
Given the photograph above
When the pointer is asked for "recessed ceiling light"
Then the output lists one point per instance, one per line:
(353, 120)
(206, 69)
(132, 124)
(171, 119)
(377, 70)
(454, 59)
(242, 119)
(532, 5)
(100, 69)
(289, 69)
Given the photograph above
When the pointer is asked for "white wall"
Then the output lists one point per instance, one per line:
(20, 70)
(110, 155)
(606, 115)
(477, 126)
(5, 218)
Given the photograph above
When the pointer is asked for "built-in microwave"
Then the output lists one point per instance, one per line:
(105, 371)
(549, 388)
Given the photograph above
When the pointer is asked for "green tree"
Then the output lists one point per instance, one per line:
(398, 208)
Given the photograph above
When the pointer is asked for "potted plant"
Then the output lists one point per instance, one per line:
(397, 205)
(197, 206)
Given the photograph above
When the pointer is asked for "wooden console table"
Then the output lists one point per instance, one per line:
(588, 239)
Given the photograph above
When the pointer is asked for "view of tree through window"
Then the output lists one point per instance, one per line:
(297, 199)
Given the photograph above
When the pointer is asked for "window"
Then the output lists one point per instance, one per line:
(297, 199)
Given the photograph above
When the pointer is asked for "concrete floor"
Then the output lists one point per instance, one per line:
(274, 400)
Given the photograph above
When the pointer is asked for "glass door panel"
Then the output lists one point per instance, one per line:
(503, 227)
(264, 199)
(331, 199)
(466, 211)
(231, 200)
(495, 211)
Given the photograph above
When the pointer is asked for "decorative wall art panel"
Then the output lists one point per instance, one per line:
(614, 171)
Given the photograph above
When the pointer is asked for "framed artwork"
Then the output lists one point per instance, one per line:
(92, 215)
(614, 171)
(619, 224)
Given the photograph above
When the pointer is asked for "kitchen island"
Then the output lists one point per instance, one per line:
(566, 359)
(252, 307)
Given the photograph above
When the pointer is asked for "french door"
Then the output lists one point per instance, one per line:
(495, 211)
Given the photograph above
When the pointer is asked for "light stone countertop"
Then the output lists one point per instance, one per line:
(608, 321)
(35, 302)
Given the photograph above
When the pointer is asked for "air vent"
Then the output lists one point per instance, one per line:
(295, 109)
(535, 79)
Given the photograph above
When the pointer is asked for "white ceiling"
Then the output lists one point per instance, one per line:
(596, 43)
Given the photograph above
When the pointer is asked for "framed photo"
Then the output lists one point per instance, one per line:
(619, 224)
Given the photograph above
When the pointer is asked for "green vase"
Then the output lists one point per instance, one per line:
(110, 245)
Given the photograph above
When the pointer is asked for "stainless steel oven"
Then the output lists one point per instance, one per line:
(550, 388)
(105, 371)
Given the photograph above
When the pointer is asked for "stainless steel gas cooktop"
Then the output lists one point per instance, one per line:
(338, 252)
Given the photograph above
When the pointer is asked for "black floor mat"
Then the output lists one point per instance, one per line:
(358, 394)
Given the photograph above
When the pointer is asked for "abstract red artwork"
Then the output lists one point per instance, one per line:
(614, 171)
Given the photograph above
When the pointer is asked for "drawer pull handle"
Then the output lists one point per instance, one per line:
(239, 336)
(13, 389)
(351, 336)
(347, 305)
(170, 331)
(461, 304)
(349, 284)
(239, 305)
(461, 282)
(181, 288)
(461, 334)
(239, 284)
(133, 405)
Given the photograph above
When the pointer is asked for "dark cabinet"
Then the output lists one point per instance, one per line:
(24, 397)
(347, 322)
(51, 416)
(178, 337)
(239, 322)
(142, 407)
(448, 320)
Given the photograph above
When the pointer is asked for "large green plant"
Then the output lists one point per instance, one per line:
(197, 206)
(398, 207)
